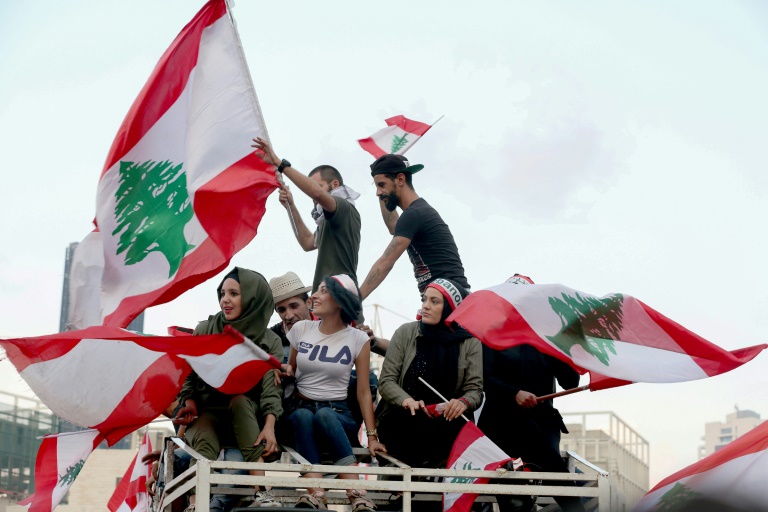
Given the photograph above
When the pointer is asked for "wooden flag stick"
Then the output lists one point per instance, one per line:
(561, 393)
(438, 394)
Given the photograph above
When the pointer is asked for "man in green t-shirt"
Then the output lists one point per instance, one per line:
(337, 236)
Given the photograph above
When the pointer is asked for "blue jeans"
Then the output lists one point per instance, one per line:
(323, 425)
(225, 502)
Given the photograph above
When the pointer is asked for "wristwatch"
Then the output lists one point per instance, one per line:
(283, 164)
(370, 433)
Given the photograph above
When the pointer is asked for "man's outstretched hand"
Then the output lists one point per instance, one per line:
(265, 151)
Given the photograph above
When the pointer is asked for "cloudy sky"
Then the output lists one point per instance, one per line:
(609, 146)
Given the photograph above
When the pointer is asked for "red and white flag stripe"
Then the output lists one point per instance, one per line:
(197, 112)
(617, 338)
(131, 493)
(734, 476)
(400, 134)
(115, 380)
(471, 450)
(59, 460)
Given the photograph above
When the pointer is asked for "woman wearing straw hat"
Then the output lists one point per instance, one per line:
(323, 354)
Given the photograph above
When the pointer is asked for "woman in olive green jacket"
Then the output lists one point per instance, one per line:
(448, 359)
(216, 420)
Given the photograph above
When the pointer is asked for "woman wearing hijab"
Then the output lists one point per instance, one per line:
(448, 359)
(215, 420)
(323, 354)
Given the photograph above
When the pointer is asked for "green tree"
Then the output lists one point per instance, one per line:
(398, 143)
(72, 471)
(152, 209)
(676, 497)
(591, 322)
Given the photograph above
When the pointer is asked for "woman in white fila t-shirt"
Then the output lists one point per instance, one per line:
(323, 354)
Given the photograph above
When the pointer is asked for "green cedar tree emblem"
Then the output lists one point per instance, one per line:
(152, 209)
(72, 471)
(398, 143)
(464, 479)
(591, 322)
(676, 497)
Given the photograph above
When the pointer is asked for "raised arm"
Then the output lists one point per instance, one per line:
(384, 264)
(304, 236)
(389, 217)
(305, 183)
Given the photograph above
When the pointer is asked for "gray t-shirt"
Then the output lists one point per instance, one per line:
(324, 362)
(338, 242)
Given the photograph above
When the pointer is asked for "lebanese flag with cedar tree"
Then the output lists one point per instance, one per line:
(181, 190)
(59, 460)
(616, 338)
(734, 476)
(131, 493)
(400, 134)
(116, 381)
(472, 450)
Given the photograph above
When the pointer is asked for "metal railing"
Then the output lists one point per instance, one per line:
(414, 484)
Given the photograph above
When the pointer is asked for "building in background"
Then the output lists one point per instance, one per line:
(22, 421)
(717, 434)
(604, 440)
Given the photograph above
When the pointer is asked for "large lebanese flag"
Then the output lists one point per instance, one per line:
(400, 134)
(131, 493)
(115, 380)
(59, 460)
(472, 450)
(617, 338)
(181, 191)
(735, 476)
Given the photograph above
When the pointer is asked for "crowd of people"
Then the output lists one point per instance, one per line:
(325, 392)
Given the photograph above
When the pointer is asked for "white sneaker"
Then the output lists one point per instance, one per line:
(263, 499)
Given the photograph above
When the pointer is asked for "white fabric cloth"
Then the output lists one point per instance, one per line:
(343, 192)
(324, 362)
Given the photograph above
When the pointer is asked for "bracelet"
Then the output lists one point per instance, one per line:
(370, 433)
(464, 401)
(374, 341)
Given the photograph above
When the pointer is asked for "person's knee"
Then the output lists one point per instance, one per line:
(239, 402)
(325, 418)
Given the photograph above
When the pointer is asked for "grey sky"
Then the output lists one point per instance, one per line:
(609, 146)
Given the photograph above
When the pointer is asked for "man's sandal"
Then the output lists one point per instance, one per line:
(315, 500)
(360, 502)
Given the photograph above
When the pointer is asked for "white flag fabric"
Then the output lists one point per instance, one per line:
(617, 338)
(131, 493)
(85, 272)
(59, 461)
(181, 156)
(471, 450)
(116, 380)
(735, 476)
(400, 134)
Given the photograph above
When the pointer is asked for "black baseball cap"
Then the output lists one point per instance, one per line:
(393, 164)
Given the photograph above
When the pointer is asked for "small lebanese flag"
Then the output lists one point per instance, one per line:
(735, 476)
(400, 134)
(59, 460)
(471, 450)
(116, 380)
(131, 493)
(617, 338)
(181, 190)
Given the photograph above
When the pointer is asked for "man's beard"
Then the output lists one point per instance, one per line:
(392, 202)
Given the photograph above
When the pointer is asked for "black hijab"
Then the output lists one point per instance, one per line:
(437, 355)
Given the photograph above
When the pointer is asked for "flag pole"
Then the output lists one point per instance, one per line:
(438, 394)
(562, 393)
(76, 432)
(438, 119)
(255, 101)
